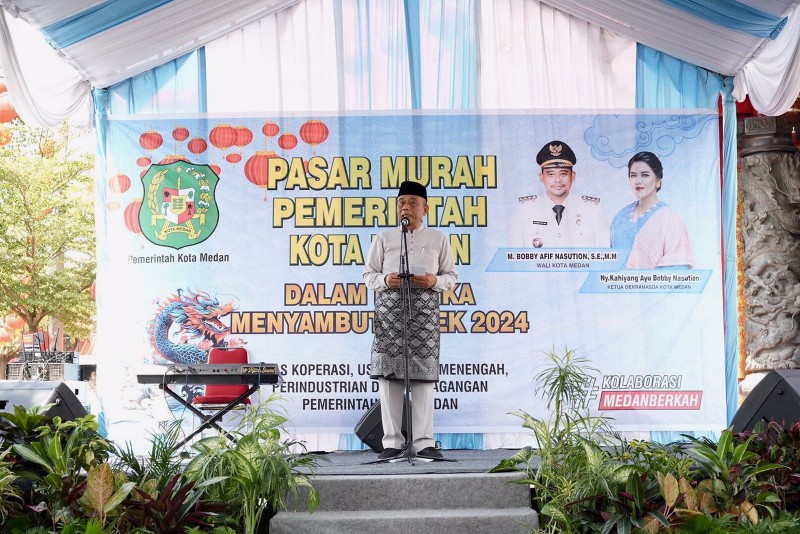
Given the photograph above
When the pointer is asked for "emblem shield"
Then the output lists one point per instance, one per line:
(181, 207)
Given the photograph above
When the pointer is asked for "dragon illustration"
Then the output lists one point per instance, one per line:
(197, 316)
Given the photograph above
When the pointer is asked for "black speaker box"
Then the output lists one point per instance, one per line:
(369, 428)
(29, 393)
(775, 398)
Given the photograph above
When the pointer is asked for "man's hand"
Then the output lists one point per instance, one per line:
(393, 281)
(426, 281)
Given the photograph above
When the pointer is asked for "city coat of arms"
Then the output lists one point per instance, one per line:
(180, 208)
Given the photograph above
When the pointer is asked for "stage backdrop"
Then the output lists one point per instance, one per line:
(254, 230)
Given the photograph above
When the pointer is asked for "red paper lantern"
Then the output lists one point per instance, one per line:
(5, 337)
(314, 132)
(197, 145)
(243, 136)
(119, 183)
(257, 170)
(222, 136)
(93, 290)
(14, 322)
(287, 141)
(132, 216)
(144, 162)
(172, 158)
(150, 140)
(180, 133)
(7, 111)
(234, 158)
(215, 168)
(270, 129)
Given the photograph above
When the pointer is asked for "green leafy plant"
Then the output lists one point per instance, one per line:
(734, 472)
(10, 494)
(104, 492)
(172, 509)
(775, 443)
(567, 468)
(22, 424)
(587, 479)
(55, 458)
(160, 464)
(259, 471)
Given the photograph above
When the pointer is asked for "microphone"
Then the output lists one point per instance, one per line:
(404, 223)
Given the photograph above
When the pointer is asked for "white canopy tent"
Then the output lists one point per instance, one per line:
(101, 43)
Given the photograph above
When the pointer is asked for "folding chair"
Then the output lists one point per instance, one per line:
(223, 398)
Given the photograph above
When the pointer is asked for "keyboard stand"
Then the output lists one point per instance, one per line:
(208, 421)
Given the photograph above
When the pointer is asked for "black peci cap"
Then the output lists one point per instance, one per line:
(412, 188)
(556, 154)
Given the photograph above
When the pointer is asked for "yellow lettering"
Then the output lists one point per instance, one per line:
(282, 209)
(277, 169)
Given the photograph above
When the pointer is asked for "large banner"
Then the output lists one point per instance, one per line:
(254, 230)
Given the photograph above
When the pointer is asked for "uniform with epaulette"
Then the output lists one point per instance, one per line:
(537, 223)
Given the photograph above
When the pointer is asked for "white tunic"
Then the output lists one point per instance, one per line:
(426, 247)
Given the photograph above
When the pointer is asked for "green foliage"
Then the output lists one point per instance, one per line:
(23, 424)
(104, 492)
(170, 510)
(47, 234)
(587, 480)
(774, 443)
(70, 487)
(734, 472)
(55, 462)
(10, 494)
(259, 471)
(160, 465)
(568, 467)
(654, 457)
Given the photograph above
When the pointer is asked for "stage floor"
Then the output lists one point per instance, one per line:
(354, 463)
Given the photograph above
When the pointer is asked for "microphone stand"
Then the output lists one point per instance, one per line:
(405, 292)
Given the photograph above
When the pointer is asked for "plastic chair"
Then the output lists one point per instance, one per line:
(223, 394)
(222, 398)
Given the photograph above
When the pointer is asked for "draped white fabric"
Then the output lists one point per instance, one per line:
(374, 56)
(46, 91)
(677, 33)
(534, 56)
(531, 56)
(773, 78)
(283, 62)
(295, 61)
(369, 54)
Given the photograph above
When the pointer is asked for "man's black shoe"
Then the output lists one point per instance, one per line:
(430, 452)
(389, 453)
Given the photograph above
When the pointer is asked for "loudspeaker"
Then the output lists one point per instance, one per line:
(775, 398)
(28, 394)
(369, 428)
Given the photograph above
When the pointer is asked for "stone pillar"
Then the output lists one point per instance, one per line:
(769, 185)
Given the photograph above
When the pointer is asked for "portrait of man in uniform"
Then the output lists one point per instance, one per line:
(559, 218)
